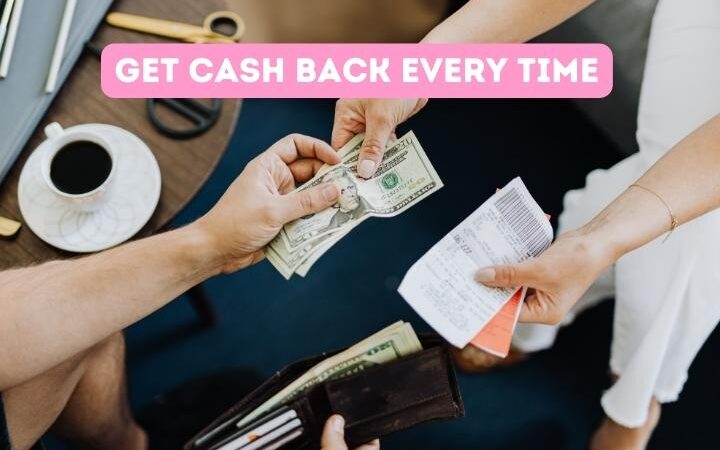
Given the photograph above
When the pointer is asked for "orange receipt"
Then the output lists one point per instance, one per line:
(496, 337)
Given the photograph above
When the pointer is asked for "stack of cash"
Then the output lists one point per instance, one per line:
(404, 178)
(391, 343)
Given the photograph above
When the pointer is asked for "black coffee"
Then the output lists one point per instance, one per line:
(80, 167)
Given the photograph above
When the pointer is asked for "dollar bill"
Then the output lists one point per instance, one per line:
(314, 256)
(287, 262)
(405, 176)
(391, 343)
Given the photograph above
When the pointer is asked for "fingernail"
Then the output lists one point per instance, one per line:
(366, 168)
(339, 424)
(330, 192)
(485, 275)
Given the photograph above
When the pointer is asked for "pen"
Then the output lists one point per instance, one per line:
(4, 20)
(11, 34)
(60, 45)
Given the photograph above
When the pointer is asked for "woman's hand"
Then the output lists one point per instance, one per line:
(685, 178)
(556, 279)
(260, 201)
(378, 119)
(333, 437)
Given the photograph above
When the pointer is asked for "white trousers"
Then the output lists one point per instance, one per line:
(667, 294)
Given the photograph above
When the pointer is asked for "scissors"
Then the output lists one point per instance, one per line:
(208, 33)
(200, 115)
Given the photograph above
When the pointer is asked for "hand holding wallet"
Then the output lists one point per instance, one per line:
(375, 402)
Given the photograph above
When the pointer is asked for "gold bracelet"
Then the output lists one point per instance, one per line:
(673, 220)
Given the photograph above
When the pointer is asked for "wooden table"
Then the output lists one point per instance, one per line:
(185, 165)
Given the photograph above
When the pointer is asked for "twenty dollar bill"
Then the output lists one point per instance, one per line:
(389, 344)
(404, 177)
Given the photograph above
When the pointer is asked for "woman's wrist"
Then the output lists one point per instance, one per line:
(592, 247)
(633, 219)
(600, 242)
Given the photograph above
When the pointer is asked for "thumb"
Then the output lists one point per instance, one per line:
(523, 274)
(378, 128)
(309, 201)
(333, 434)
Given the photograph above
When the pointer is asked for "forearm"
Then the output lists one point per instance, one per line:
(504, 20)
(51, 312)
(686, 178)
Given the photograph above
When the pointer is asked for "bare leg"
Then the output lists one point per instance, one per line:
(613, 436)
(473, 360)
(84, 398)
(610, 435)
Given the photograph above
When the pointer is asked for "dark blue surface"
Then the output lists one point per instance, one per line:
(549, 402)
(4, 438)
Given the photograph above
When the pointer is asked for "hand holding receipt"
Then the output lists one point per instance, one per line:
(510, 227)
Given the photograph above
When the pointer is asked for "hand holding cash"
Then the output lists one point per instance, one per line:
(557, 278)
(378, 117)
(404, 178)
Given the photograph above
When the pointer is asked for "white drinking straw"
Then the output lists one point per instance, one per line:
(60, 45)
(4, 20)
(10, 39)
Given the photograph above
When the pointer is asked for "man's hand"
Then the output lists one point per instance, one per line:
(378, 119)
(260, 201)
(557, 278)
(333, 437)
(85, 300)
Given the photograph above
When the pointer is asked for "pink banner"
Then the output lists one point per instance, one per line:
(357, 70)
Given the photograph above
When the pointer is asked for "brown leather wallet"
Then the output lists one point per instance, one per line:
(380, 400)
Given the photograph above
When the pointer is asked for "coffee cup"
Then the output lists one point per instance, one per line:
(78, 165)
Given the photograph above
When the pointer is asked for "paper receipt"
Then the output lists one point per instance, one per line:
(508, 228)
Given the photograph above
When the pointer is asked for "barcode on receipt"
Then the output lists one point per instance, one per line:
(518, 215)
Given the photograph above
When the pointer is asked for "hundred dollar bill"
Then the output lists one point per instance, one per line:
(404, 177)
(391, 343)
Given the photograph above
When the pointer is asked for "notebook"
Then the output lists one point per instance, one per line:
(23, 101)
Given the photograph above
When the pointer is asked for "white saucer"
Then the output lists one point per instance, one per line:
(129, 203)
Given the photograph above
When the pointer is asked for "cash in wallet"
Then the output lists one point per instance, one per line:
(391, 381)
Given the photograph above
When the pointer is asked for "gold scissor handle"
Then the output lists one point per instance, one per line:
(177, 30)
(226, 16)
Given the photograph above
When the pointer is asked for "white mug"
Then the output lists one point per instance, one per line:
(57, 139)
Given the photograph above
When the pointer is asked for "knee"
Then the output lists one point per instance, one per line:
(109, 350)
(75, 368)
(114, 343)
